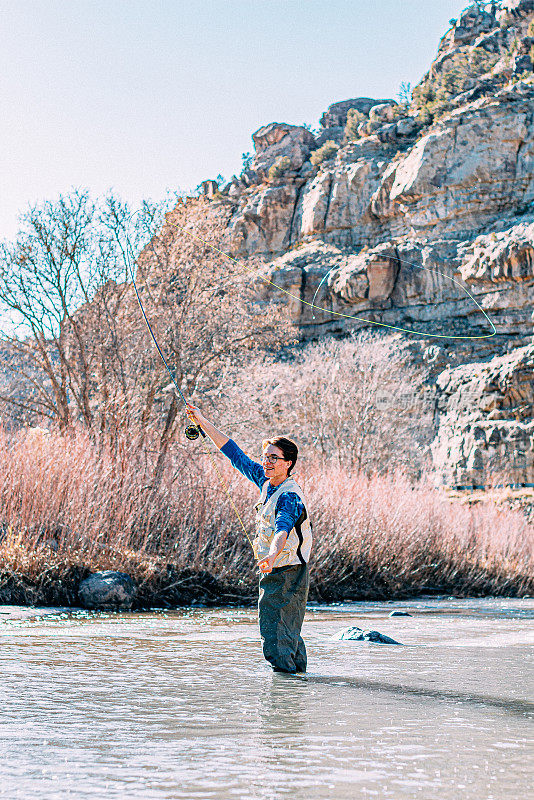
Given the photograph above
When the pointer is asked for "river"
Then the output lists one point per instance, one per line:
(180, 704)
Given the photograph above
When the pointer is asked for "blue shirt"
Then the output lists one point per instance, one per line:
(289, 506)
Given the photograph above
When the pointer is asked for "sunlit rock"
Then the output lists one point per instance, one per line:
(280, 140)
(355, 634)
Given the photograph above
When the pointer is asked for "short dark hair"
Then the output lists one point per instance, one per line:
(288, 448)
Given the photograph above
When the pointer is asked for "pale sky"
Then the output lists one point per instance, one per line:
(145, 96)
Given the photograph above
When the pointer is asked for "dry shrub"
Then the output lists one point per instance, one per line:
(71, 506)
(356, 403)
(326, 152)
(70, 497)
(385, 537)
(355, 118)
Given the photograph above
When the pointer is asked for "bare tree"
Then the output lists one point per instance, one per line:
(62, 282)
(207, 310)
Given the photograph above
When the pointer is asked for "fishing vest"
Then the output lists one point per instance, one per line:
(299, 539)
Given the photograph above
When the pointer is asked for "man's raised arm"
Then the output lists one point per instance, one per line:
(218, 438)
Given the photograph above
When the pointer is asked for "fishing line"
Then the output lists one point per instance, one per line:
(353, 316)
(192, 431)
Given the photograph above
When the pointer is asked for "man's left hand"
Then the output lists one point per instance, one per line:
(266, 565)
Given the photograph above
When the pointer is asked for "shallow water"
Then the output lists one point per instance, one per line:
(181, 705)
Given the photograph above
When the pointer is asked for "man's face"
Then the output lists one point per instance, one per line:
(274, 465)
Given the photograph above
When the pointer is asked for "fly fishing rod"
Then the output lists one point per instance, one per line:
(192, 432)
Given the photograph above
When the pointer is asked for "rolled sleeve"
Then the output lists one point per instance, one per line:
(289, 507)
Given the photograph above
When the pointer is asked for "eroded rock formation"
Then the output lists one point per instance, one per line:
(485, 425)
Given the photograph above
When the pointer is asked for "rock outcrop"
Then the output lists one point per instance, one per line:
(470, 170)
(429, 208)
(485, 424)
(334, 119)
(276, 141)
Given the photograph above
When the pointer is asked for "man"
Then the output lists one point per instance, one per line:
(282, 544)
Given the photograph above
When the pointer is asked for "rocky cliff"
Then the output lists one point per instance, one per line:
(387, 202)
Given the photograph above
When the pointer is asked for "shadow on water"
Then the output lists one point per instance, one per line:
(516, 707)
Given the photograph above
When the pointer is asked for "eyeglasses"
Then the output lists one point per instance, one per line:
(272, 459)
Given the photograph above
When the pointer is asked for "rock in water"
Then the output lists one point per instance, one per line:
(355, 634)
(399, 614)
(348, 633)
(377, 637)
(107, 590)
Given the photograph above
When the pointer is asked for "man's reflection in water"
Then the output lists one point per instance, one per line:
(286, 710)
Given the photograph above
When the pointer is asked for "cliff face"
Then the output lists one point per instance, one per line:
(485, 420)
(445, 182)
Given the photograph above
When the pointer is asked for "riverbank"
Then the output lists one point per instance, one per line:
(25, 613)
(342, 569)
(70, 508)
(169, 587)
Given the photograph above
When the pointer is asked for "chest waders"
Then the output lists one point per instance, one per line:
(284, 591)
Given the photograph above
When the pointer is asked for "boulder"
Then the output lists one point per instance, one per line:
(336, 113)
(209, 188)
(399, 614)
(107, 590)
(279, 140)
(336, 134)
(407, 126)
(387, 133)
(234, 189)
(380, 114)
(355, 634)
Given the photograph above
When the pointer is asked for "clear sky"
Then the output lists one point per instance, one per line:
(147, 95)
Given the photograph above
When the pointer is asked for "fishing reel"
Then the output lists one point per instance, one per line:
(192, 432)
